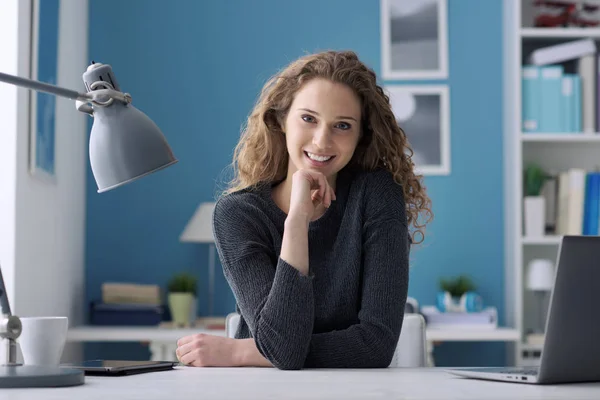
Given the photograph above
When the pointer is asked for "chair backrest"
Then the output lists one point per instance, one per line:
(231, 323)
(411, 350)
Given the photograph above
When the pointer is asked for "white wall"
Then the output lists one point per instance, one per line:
(9, 12)
(45, 275)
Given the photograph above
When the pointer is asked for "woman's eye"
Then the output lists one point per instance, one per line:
(344, 126)
(308, 118)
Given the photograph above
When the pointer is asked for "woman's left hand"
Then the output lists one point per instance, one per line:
(203, 350)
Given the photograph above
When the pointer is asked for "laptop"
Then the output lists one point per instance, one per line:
(570, 352)
(121, 367)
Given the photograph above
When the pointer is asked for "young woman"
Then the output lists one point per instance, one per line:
(315, 230)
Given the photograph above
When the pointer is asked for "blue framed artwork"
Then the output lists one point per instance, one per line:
(44, 68)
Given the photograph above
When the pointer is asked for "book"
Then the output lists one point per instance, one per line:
(587, 73)
(563, 52)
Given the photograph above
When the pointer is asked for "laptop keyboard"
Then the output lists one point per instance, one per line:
(508, 370)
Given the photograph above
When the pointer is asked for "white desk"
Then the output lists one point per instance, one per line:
(163, 341)
(268, 383)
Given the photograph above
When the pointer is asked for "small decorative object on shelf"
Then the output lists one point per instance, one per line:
(540, 279)
(458, 295)
(534, 178)
(182, 297)
(574, 13)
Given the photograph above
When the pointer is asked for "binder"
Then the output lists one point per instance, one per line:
(550, 98)
(567, 104)
(530, 89)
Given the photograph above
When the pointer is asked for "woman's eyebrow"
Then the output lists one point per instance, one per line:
(316, 113)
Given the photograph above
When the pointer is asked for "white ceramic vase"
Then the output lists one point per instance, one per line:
(535, 216)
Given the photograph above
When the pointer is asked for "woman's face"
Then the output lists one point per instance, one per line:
(322, 127)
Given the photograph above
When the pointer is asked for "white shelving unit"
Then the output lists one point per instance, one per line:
(558, 33)
(555, 152)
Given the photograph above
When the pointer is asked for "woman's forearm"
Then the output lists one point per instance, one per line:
(248, 354)
(294, 245)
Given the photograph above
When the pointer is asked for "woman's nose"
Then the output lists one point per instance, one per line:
(322, 138)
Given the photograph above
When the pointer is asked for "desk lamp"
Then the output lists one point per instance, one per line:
(199, 230)
(124, 145)
(540, 279)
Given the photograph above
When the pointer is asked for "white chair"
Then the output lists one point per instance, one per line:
(411, 350)
(231, 323)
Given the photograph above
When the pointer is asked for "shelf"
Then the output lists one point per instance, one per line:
(544, 240)
(470, 334)
(549, 33)
(561, 137)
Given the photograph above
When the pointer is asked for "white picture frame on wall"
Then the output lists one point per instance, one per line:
(45, 23)
(423, 113)
(414, 39)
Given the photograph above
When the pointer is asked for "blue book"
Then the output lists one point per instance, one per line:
(125, 314)
(550, 99)
(567, 106)
(591, 205)
(577, 113)
(530, 95)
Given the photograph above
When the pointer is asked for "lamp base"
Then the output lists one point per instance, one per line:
(27, 376)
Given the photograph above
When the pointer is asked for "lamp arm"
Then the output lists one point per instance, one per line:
(44, 87)
(96, 97)
(4, 304)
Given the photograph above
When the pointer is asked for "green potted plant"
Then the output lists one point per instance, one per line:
(534, 204)
(458, 295)
(182, 297)
(457, 286)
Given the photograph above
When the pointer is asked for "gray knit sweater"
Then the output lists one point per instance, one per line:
(348, 312)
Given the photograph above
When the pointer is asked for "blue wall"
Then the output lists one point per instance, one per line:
(196, 68)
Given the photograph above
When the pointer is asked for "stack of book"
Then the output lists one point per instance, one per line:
(573, 202)
(484, 319)
(559, 89)
(128, 304)
(130, 293)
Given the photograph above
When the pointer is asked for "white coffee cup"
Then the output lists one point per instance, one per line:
(42, 339)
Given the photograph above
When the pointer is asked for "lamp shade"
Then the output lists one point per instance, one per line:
(125, 145)
(540, 275)
(199, 227)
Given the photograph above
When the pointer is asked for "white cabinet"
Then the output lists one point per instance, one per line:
(555, 152)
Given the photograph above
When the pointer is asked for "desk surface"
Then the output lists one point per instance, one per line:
(262, 383)
(89, 333)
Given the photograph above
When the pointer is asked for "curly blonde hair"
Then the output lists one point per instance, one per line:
(261, 154)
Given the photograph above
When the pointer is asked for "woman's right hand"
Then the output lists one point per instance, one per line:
(309, 190)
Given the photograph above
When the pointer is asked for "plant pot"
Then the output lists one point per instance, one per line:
(180, 305)
(535, 216)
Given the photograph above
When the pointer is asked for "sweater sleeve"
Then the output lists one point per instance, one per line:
(371, 342)
(274, 298)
